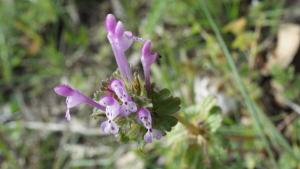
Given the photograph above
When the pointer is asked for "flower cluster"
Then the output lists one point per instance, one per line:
(123, 95)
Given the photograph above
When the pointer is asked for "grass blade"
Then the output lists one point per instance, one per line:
(261, 122)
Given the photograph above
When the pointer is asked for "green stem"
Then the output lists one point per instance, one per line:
(190, 127)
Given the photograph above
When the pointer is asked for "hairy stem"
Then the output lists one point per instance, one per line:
(190, 126)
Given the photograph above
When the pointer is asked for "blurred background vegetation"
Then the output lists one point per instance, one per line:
(242, 55)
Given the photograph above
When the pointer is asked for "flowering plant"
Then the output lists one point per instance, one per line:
(127, 105)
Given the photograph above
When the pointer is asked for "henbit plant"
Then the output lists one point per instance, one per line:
(129, 105)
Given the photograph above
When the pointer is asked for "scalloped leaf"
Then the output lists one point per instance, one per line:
(164, 106)
(169, 106)
(166, 123)
(161, 95)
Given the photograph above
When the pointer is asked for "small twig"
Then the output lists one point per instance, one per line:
(55, 127)
(288, 103)
(88, 150)
(286, 121)
(294, 106)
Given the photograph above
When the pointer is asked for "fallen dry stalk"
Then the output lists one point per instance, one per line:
(56, 127)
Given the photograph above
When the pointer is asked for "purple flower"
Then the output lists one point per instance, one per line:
(152, 133)
(74, 98)
(119, 88)
(147, 59)
(112, 110)
(128, 106)
(109, 127)
(120, 41)
(144, 116)
(117, 102)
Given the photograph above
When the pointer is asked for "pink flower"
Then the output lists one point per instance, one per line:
(145, 117)
(147, 59)
(74, 98)
(128, 106)
(120, 42)
(152, 133)
(117, 101)
(112, 110)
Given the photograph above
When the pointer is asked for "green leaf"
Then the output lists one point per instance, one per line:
(206, 105)
(166, 123)
(164, 105)
(163, 94)
(169, 106)
(215, 110)
(214, 121)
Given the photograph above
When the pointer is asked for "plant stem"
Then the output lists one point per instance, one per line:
(191, 127)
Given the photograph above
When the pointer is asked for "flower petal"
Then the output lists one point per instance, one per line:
(109, 127)
(157, 134)
(121, 93)
(120, 43)
(63, 90)
(107, 101)
(74, 97)
(116, 83)
(148, 137)
(146, 48)
(118, 87)
(145, 117)
(68, 116)
(74, 100)
(125, 42)
(119, 31)
(110, 23)
(148, 57)
(114, 128)
(113, 111)
(143, 113)
(128, 107)
(124, 111)
(131, 106)
(105, 127)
